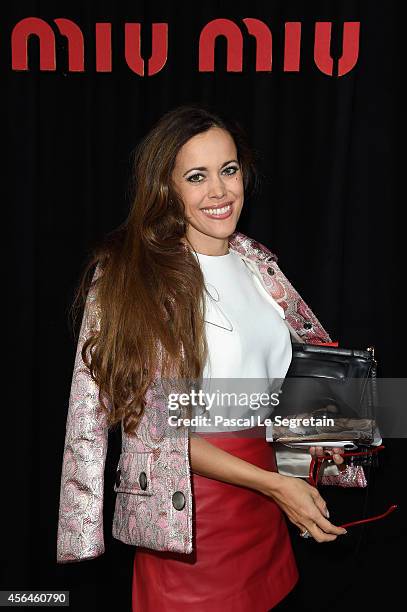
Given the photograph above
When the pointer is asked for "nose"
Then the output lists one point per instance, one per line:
(216, 188)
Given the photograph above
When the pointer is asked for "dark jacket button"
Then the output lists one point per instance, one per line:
(143, 481)
(270, 271)
(307, 325)
(118, 478)
(178, 500)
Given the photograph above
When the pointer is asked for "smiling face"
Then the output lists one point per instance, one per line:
(209, 180)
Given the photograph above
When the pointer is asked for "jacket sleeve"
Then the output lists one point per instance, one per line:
(80, 522)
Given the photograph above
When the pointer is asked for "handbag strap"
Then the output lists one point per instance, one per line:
(316, 462)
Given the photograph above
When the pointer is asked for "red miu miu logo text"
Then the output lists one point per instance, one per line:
(231, 31)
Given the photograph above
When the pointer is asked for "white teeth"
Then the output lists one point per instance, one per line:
(217, 211)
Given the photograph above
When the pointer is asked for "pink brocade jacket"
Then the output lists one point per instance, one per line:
(153, 506)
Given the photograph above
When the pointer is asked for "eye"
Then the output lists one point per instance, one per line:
(194, 176)
(234, 168)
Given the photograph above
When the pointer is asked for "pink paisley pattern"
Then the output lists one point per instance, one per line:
(352, 476)
(144, 517)
(80, 524)
(297, 312)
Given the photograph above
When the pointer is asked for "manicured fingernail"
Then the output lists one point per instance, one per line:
(327, 513)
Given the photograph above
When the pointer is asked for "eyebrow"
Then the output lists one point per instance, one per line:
(203, 167)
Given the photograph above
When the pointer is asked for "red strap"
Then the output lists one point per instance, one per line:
(392, 508)
(313, 479)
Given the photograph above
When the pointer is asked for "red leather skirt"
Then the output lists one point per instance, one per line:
(242, 559)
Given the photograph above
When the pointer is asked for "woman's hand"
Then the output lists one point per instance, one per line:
(300, 501)
(334, 452)
(304, 507)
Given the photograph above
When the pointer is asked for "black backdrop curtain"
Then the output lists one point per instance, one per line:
(329, 207)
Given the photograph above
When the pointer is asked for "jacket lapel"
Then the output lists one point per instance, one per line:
(256, 272)
(302, 322)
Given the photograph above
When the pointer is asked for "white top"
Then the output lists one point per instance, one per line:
(247, 339)
(249, 345)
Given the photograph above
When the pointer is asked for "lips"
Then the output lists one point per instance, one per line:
(222, 211)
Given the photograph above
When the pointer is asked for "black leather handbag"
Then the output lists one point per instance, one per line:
(331, 383)
(324, 381)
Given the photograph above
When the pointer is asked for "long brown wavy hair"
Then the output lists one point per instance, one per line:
(150, 291)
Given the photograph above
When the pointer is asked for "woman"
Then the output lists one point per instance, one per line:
(180, 296)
